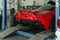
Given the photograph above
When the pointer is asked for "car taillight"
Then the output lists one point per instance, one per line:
(58, 22)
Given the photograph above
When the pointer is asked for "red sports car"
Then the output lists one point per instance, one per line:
(43, 18)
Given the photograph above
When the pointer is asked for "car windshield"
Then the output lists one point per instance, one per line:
(46, 8)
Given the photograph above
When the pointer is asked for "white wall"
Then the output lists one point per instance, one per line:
(0, 6)
(40, 2)
(26, 2)
(11, 4)
(48, 0)
(30, 2)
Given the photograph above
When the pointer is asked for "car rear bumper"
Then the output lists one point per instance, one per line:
(30, 23)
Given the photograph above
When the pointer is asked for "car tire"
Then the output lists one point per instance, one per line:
(52, 25)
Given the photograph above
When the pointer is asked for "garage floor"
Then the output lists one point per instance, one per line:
(15, 37)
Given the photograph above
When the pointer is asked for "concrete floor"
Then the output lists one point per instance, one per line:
(17, 37)
(14, 37)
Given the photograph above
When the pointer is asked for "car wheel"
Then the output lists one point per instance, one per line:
(52, 25)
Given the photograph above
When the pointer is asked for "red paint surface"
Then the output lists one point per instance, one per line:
(58, 23)
(44, 16)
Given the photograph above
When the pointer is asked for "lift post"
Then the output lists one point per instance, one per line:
(6, 30)
(4, 14)
(57, 13)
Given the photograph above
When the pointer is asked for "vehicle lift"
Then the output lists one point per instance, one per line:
(7, 30)
(57, 12)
